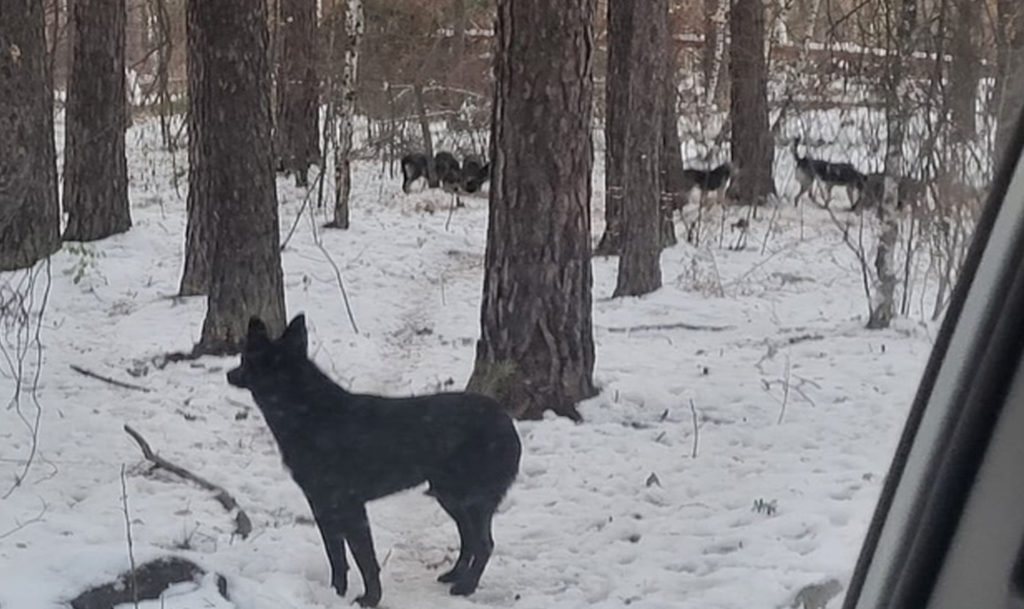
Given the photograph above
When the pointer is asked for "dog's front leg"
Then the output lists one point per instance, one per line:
(357, 533)
(332, 532)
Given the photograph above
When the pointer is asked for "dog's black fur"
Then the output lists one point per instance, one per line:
(448, 171)
(475, 171)
(446, 167)
(344, 449)
(830, 174)
(707, 180)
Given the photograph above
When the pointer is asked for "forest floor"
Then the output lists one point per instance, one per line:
(744, 426)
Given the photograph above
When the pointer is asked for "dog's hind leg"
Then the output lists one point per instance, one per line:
(481, 546)
(463, 524)
(357, 534)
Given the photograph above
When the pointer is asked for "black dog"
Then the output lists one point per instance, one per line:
(707, 180)
(474, 173)
(830, 174)
(446, 168)
(344, 449)
(909, 191)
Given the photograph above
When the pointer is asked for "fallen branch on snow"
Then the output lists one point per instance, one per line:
(243, 526)
(675, 326)
(107, 379)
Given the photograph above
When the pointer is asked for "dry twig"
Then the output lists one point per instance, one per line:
(243, 526)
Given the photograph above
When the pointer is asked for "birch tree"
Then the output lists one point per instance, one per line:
(343, 105)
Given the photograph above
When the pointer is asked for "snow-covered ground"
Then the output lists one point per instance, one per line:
(782, 401)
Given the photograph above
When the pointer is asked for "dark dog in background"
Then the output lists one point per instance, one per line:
(909, 191)
(475, 171)
(446, 168)
(449, 173)
(707, 180)
(344, 449)
(809, 170)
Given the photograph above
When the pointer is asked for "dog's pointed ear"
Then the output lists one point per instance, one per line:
(257, 331)
(295, 338)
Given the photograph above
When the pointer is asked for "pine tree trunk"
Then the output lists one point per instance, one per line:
(95, 168)
(344, 91)
(640, 262)
(752, 147)
(234, 139)
(29, 211)
(195, 279)
(1010, 71)
(297, 129)
(620, 28)
(536, 349)
(965, 69)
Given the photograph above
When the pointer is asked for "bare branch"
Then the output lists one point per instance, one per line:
(243, 526)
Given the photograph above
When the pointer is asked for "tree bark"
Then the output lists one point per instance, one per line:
(461, 19)
(536, 349)
(965, 69)
(29, 211)
(752, 147)
(640, 262)
(95, 168)
(708, 64)
(297, 128)
(883, 304)
(234, 137)
(1010, 71)
(903, 13)
(195, 278)
(620, 28)
(672, 188)
(343, 91)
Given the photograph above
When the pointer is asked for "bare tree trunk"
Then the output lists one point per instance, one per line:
(1010, 71)
(165, 51)
(965, 69)
(95, 168)
(343, 90)
(428, 140)
(29, 212)
(536, 348)
(883, 305)
(234, 137)
(812, 24)
(297, 125)
(752, 148)
(620, 28)
(195, 278)
(672, 189)
(640, 261)
(460, 31)
(902, 17)
(714, 89)
(707, 56)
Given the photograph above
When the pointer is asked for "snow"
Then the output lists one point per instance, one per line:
(797, 407)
